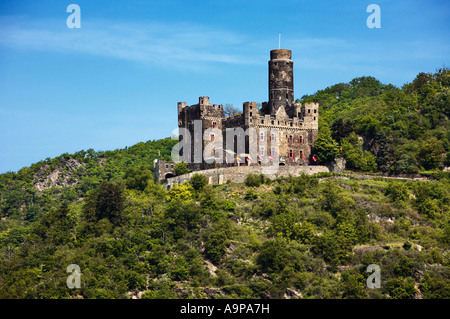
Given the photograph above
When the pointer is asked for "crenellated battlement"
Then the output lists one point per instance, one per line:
(295, 124)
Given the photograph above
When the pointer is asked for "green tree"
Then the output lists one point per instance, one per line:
(341, 129)
(430, 153)
(254, 180)
(181, 168)
(325, 148)
(138, 177)
(397, 192)
(353, 285)
(106, 201)
(198, 181)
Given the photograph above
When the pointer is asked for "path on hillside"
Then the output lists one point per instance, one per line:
(364, 176)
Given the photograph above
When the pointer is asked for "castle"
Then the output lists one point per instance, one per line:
(279, 132)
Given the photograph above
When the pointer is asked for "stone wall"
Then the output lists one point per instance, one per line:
(163, 169)
(237, 174)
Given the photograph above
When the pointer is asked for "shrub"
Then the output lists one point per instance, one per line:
(254, 180)
(397, 192)
(181, 168)
(198, 181)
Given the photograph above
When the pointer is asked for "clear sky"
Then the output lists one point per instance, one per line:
(116, 81)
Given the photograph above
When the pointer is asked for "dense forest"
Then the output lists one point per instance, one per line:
(297, 237)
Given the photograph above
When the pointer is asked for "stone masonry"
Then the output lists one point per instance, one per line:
(282, 132)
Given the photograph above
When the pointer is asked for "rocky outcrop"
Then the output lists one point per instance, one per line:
(63, 175)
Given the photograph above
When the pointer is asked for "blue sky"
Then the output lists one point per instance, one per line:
(116, 81)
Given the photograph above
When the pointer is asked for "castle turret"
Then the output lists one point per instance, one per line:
(281, 80)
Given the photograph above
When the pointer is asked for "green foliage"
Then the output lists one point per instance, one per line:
(397, 192)
(400, 288)
(435, 285)
(198, 181)
(276, 255)
(353, 285)
(355, 156)
(181, 168)
(138, 177)
(254, 180)
(325, 148)
(406, 129)
(106, 202)
(313, 234)
(287, 225)
(216, 241)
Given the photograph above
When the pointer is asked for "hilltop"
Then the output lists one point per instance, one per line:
(294, 237)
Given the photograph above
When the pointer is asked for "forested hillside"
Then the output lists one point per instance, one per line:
(298, 237)
(402, 130)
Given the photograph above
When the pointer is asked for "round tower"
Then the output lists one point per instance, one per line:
(281, 79)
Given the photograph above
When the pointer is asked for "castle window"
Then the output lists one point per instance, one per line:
(262, 121)
(250, 113)
(273, 137)
(250, 107)
(272, 151)
(301, 154)
(212, 137)
(214, 125)
(315, 111)
(290, 138)
(309, 110)
(262, 136)
(287, 95)
(290, 123)
(314, 118)
(299, 139)
(273, 122)
(167, 165)
(291, 154)
(261, 151)
(171, 166)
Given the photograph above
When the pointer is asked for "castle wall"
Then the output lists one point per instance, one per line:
(163, 169)
(238, 174)
(295, 125)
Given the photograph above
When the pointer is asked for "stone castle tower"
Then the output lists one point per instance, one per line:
(284, 131)
(281, 80)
